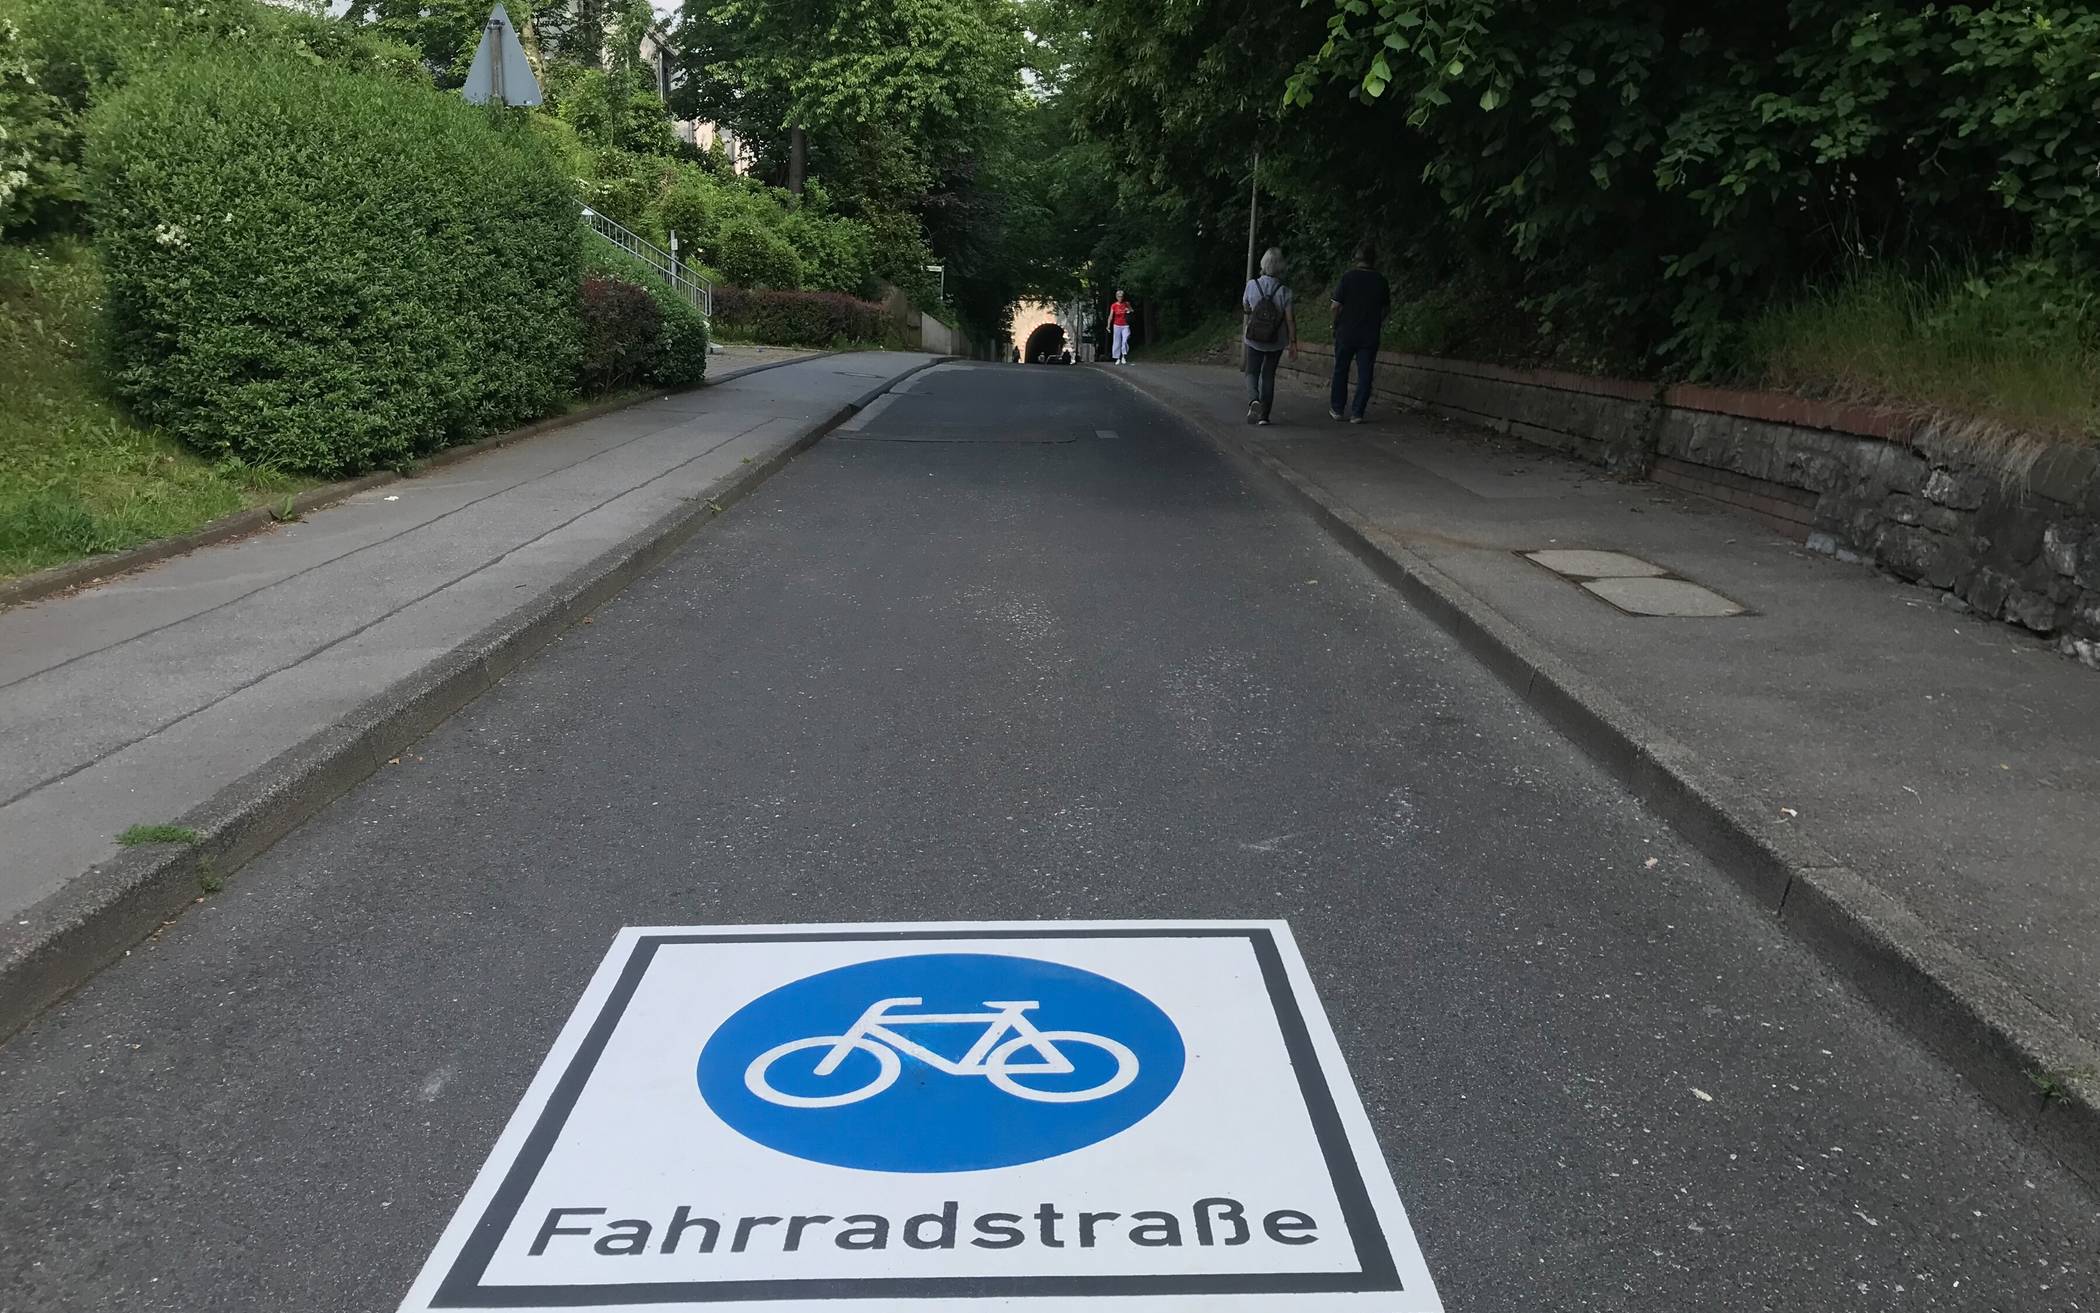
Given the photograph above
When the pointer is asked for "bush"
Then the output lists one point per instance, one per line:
(753, 257)
(614, 111)
(902, 257)
(690, 208)
(70, 53)
(2019, 345)
(837, 253)
(39, 185)
(622, 333)
(320, 271)
(681, 356)
(622, 186)
(76, 476)
(818, 319)
(681, 348)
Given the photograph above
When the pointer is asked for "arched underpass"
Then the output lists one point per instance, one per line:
(1044, 343)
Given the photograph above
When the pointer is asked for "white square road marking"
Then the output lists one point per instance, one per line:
(1071, 1117)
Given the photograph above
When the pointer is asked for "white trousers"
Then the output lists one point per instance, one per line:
(1120, 335)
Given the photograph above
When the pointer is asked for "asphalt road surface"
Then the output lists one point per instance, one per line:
(1023, 648)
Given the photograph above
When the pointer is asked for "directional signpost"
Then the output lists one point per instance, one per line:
(1067, 1117)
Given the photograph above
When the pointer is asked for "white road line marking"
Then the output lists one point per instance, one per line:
(1109, 434)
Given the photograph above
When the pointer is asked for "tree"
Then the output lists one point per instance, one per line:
(443, 32)
(925, 76)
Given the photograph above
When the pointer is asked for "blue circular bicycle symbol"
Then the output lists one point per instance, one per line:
(943, 1062)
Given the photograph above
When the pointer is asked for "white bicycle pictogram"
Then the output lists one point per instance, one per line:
(1007, 1032)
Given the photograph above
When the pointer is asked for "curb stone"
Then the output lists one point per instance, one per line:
(94, 569)
(55, 946)
(2037, 1071)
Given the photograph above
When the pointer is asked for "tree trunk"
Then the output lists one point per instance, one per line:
(798, 158)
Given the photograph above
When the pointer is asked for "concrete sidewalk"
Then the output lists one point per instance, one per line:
(1856, 724)
(137, 701)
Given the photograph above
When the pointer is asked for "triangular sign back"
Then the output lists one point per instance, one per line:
(500, 72)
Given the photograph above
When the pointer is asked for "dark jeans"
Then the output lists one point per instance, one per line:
(1260, 369)
(1365, 357)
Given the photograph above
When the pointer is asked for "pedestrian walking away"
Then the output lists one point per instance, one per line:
(1119, 329)
(1272, 329)
(1361, 299)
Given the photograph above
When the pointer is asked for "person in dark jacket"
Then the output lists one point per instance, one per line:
(1361, 300)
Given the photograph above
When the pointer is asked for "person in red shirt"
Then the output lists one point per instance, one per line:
(1119, 329)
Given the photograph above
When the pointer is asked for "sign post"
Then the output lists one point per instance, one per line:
(1120, 1117)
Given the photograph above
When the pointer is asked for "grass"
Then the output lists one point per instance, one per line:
(1436, 323)
(77, 476)
(2019, 352)
(140, 835)
(1206, 341)
(2011, 359)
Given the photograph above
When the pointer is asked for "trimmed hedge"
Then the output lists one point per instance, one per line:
(818, 319)
(622, 332)
(681, 348)
(315, 270)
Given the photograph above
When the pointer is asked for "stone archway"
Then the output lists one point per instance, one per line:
(1044, 342)
(1028, 317)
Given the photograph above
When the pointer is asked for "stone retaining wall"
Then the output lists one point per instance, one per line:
(2019, 543)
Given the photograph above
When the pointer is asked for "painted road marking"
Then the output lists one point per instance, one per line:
(1109, 434)
(1072, 1116)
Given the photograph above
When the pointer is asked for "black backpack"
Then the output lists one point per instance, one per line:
(1265, 321)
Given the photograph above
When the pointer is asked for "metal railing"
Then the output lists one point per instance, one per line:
(680, 279)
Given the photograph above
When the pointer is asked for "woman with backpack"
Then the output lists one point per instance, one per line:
(1271, 330)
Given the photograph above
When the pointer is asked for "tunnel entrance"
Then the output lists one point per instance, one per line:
(1045, 343)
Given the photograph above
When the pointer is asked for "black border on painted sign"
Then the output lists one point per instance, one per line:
(1376, 1272)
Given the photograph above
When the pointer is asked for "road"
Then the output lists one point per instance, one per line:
(1022, 647)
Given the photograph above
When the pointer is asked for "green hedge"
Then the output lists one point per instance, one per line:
(751, 256)
(320, 271)
(60, 57)
(622, 330)
(818, 319)
(838, 254)
(681, 351)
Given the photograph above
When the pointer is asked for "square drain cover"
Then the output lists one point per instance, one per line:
(1663, 597)
(1597, 565)
(1635, 586)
